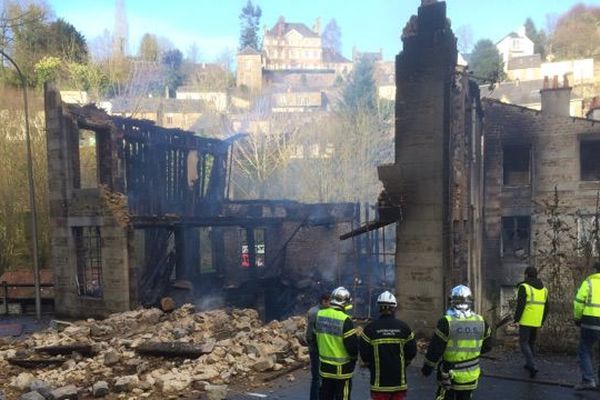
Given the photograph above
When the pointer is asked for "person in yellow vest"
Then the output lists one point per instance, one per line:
(459, 338)
(530, 314)
(337, 343)
(586, 309)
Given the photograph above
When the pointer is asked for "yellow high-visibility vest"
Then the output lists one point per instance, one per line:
(463, 348)
(329, 328)
(534, 306)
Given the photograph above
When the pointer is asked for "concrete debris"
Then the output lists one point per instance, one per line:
(205, 352)
(100, 389)
(68, 392)
(32, 396)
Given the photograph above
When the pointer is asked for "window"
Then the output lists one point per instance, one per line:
(89, 260)
(259, 247)
(589, 160)
(170, 119)
(88, 160)
(516, 165)
(206, 250)
(515, 238)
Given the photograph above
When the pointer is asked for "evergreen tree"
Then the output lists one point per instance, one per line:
(66, 42)
(149, 49)
(537, 37)
(332, 36)
(249, 26)
(486, 63)
(360, 93)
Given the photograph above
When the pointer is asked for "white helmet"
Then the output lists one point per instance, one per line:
(340, 297)
(386, 299)
(461, 298)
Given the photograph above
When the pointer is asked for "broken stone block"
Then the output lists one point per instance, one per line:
(264, 364)
(38, 385)
(22, 381)
(126, 383)
(179, 333)
(100, 389)
(111, 358)
(64, 393)
(216, 392)
(32, 396)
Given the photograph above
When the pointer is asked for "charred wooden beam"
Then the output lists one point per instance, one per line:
(175, 349)
(85, 349)
(36, 362)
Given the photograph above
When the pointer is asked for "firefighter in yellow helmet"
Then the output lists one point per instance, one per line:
(459, 338)
(530, 314)
(338, 347)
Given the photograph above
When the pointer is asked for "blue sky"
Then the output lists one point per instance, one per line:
(368, 25)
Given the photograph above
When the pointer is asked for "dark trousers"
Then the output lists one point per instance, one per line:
(588, 338)
(454, 394)
(335, 389)
(314, 373)
(527, 335)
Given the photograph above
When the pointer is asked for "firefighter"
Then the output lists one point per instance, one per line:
(530, 314)
(586, 309)
(460, 337)
(387, 346)
(313, 350)
(338, 347)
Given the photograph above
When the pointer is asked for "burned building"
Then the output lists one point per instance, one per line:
(138, 211)
(529, 156)
(436, 177)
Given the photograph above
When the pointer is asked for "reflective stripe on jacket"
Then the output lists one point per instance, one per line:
(387, 346)
(463, 348)
(329, 329)
(587, 302)
(533, 313)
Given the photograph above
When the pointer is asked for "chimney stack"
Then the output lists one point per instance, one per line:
(556, 100)
(317, 27)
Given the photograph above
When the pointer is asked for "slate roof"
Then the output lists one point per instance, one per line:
(290, 26)
(249, 51)
(532, 61)
(153, 104)
(332, 56)
(526, 92)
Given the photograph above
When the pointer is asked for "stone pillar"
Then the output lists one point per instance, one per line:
(424, 76)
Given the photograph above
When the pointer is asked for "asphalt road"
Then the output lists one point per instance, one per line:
(421, 388)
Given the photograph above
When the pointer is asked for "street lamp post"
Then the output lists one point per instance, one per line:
(34, 232)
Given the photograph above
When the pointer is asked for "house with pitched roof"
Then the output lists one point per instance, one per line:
(515, 44)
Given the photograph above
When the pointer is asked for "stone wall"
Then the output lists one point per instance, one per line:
(554, 143)
(71, 208)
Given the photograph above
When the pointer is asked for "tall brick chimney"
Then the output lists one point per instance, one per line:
(556, 99)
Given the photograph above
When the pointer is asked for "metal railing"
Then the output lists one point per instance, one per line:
(5, 286)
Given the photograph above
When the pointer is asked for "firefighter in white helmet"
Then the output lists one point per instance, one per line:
(460, 337)
(387, 346)
(338, 346)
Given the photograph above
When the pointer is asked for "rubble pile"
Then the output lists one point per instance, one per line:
(202, 352)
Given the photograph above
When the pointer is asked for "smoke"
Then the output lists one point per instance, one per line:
(209, 302)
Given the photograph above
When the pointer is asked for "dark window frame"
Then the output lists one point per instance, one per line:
(88, 248)
(589, 160)
(513, 163)
(512, 235)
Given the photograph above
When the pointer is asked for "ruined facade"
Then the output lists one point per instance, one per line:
(138, 212)
(529, 154)
(437, 172)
